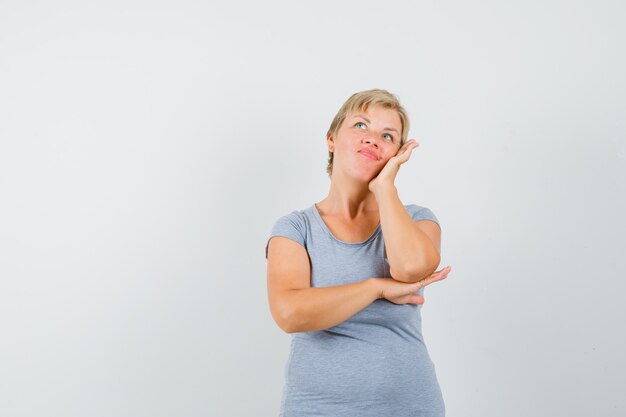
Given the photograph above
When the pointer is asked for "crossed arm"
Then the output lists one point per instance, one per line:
(298, 307)
(413, 253)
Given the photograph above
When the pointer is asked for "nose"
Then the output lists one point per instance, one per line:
(370, 138)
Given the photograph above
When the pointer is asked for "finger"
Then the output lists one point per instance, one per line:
(443, 274)
(421, 284)
(439, 277)
(409, 150)
(412, 144)
(404, 155)
(406, 145)
(445, 271)
(436, 277)
(433, 278)
(417, 299)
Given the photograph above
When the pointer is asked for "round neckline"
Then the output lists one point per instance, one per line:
(327, 230)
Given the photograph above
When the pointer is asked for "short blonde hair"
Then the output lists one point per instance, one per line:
(361, 102)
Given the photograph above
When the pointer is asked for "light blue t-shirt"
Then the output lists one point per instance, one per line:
(375, 364)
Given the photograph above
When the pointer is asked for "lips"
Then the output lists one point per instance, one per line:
(369, 155)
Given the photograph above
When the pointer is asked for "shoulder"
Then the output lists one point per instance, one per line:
(418, 212)
(296, 219)
(293, 225)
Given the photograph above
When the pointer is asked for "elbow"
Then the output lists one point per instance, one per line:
(283, 326)
(288, 313)
(284, 323)
(285, 319)
(288, 327)
(435, 260)
(417, 271)
(409, 275)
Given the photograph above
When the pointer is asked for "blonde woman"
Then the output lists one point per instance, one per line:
(345, 277)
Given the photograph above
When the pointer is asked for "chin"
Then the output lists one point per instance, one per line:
(361, 173)
(364, 175)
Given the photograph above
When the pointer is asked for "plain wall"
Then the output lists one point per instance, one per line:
(146, 149)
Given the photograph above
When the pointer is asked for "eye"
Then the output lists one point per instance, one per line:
(388, 137)
(358, 124)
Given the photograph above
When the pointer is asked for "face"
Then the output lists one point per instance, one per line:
(365, 141)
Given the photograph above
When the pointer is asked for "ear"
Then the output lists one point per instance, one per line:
(331, 142)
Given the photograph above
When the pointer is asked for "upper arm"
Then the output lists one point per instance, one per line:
(428, 223)
(432, 230)
(288, 268)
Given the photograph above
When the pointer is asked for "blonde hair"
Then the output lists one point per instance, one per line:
(361, 102)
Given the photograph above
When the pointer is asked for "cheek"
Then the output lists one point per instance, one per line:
(391, 151)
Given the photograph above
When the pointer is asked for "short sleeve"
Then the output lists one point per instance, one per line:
(422, 213)
(291, 226)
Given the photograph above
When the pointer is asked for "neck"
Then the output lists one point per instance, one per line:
(348, 197)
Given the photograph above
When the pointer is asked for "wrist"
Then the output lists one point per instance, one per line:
(376, 289)
(384, 189)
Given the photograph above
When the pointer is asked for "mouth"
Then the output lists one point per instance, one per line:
(369, 155)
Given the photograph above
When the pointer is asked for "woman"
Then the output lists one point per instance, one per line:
(342, 274)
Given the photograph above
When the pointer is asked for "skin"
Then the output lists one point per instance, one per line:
(361, 195)
(358, 182)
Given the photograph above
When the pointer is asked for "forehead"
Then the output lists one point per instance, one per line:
(378, 114)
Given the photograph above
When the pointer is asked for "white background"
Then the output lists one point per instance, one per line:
(146, 149)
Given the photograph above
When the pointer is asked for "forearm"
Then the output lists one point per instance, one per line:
(319, 308)
(411, 254)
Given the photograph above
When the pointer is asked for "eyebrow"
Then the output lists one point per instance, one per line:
(391, 129)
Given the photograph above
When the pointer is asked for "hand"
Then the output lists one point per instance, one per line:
(387, 175)
(402, 293)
